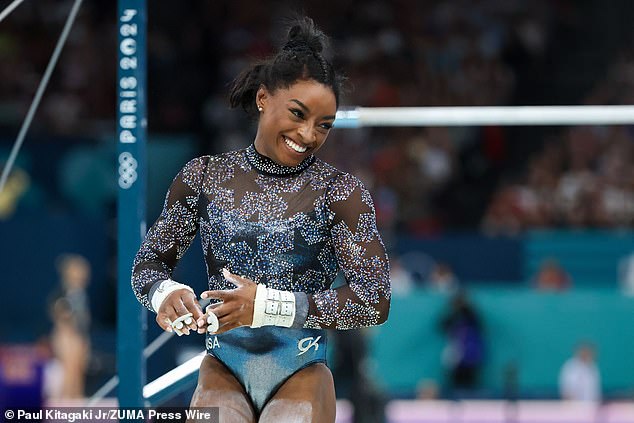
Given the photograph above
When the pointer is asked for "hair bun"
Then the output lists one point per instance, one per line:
(305, 35)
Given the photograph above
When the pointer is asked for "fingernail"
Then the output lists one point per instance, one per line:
(188, 321)
(203, 295)
(169, 329)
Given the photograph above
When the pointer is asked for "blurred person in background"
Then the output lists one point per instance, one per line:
(579, 377)
(351, 367)
(400, 277)
(551, 276)
(427, 390)
(463, 354)
(70, 337)
(443, 279)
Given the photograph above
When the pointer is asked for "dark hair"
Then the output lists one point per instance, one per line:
(300, 58)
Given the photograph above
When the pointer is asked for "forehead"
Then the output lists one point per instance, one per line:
(316, 96)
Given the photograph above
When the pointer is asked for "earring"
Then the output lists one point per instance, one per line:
(260, 108)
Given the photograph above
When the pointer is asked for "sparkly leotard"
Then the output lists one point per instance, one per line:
(292, 228)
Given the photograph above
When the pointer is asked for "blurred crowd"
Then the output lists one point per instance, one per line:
(581, 177)
(394, 53)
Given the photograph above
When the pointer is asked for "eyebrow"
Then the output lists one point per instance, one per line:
(307, 110)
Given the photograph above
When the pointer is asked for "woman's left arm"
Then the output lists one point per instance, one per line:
(361, 255)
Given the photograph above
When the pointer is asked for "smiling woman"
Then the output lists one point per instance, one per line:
(294, 121)
(277, 225)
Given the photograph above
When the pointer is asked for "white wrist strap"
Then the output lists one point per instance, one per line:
(273, 308)
(165, 288)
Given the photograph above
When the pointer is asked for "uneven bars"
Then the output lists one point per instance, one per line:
(478, 116)
(176, 378)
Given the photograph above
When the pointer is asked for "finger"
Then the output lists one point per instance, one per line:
(202, 322)
(222, 309)
(194, 309)
(166, 316)
(219, 295)
(213, 307)
(164, 322)
(183, 320)
(180, 309)
(182, 314)
(183, 323)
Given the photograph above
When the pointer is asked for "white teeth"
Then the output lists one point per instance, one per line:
(295, 146)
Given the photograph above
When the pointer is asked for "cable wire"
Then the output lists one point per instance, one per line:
(7, 10)
(38, 95)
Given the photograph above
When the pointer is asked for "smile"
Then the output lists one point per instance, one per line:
(298, 148)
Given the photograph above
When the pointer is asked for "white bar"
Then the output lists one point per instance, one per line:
(478, 116)
(187, 368)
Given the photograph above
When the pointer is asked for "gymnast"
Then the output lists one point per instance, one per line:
(277, 225)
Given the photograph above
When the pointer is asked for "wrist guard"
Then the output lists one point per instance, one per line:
(273, 307)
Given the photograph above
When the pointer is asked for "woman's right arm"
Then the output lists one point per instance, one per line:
(170, 236)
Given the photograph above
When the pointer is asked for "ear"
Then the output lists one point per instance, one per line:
(261, 96)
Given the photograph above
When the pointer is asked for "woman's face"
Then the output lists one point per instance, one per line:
(294, 121)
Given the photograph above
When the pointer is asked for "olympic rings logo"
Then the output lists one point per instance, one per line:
(127, 170)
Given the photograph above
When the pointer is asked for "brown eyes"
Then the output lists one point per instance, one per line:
(300, 114)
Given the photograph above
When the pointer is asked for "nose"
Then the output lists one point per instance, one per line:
(307, 133)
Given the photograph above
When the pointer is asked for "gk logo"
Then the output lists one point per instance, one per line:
(301, 345)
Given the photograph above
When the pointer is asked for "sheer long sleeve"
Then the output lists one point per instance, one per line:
(172, 233)
(361, 255)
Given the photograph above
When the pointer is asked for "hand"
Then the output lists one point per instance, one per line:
(179, 303)
(236, 308)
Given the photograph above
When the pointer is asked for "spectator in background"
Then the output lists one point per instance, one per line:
(579, 378)
(17, 184)
(400, 277)
(442, 278)
(427, 389)
(353, 376)
(70, 313)
(551, 276)
(464, 353)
